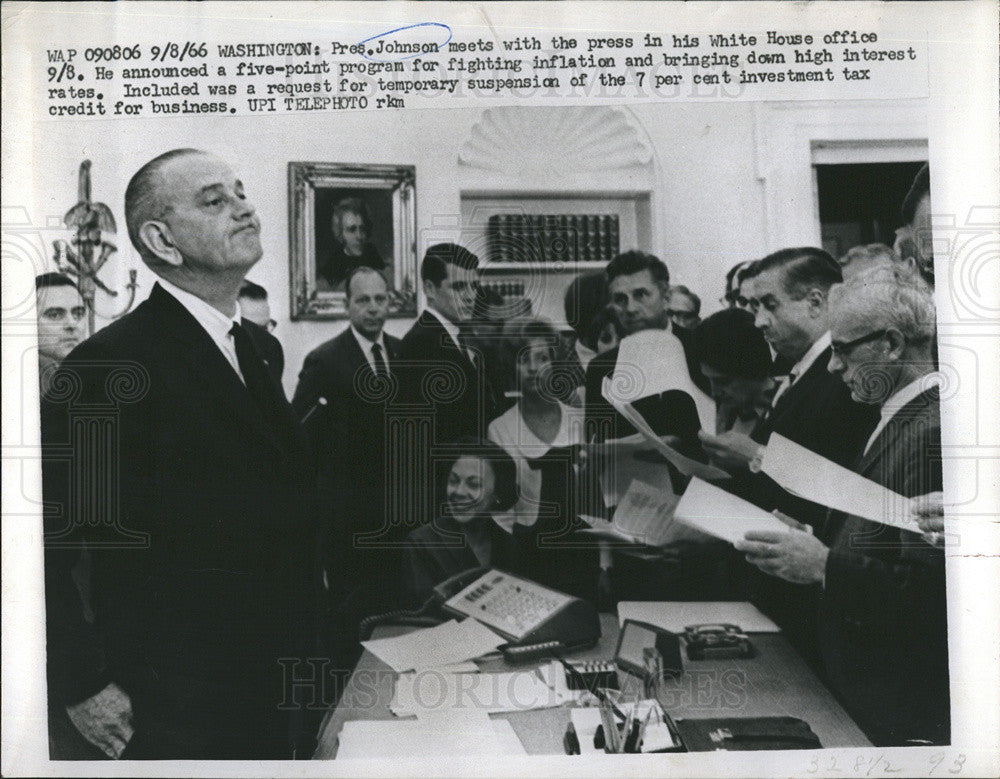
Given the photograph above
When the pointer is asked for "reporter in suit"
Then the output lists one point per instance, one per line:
(441, 377)
(191, 485)
(811, 407)
(882, 608)
(639, 287)
(354, 375)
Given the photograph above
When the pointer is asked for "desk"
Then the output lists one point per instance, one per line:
(775, 683)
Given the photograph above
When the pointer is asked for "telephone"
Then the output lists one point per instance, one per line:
(520, 610)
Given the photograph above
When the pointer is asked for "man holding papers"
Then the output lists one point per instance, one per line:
(882, 607)
(639, 287)
(810, 407)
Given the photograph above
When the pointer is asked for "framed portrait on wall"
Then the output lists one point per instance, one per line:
(343, 216)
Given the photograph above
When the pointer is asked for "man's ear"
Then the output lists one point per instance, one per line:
(897, 343)
(430, 289)
(816, 298)
(158, 240)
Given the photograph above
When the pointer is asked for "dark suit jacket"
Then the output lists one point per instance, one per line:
(348, 439)
(271, 352)
(439, 378)
(883, 610)
(670, 413)
(196, 508)
(818, 413)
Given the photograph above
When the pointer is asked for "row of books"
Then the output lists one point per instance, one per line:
(549, 239)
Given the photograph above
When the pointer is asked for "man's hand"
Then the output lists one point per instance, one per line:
(796, 556)
(928, 511)
(105, 720)
(730, 450)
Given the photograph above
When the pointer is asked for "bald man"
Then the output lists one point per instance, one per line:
(193, 494)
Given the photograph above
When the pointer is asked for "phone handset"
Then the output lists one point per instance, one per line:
(429, 614)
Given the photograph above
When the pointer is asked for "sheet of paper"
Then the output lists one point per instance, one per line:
(716, 512)
(429, 693)
(684, 464)
(675, 616)
(647, 514)
(813, 477)
(442, 645)
(455, 733)
(624, 460)
(653, 361)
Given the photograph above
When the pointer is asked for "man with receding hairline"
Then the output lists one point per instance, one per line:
(197, 504)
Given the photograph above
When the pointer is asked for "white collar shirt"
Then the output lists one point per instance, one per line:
(366, 345)
(214, 322)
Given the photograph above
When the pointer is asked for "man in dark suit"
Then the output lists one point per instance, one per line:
(442, 378)
(639, 287)
(255, 307)
(882, 615)
(172, 452)
(810, 407)
(344, 393)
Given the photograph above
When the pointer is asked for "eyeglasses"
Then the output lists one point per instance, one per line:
(840, 348)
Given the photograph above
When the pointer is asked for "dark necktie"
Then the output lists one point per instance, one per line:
(381, 369)
(253, 369)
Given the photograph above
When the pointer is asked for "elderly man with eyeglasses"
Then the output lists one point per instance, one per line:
(882, 618)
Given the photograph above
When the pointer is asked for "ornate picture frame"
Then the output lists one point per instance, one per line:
(343, 215)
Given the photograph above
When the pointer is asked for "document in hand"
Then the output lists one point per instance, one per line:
(653, 361)
(810, 476)
(685, 465)
(645, 515)
(716, 512)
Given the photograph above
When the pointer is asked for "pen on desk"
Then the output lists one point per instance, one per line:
(642, 730)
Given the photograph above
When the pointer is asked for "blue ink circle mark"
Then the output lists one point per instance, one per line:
(367, 54)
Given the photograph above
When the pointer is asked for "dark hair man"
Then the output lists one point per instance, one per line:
(639, 287)
(810, 407)
(62, 322)
(254, 306)
(914, 241)
(203, 551)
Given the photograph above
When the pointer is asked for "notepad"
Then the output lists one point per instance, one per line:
(677, 615)
(442, 645)
(718, 513)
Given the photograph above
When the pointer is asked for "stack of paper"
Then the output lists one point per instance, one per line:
(810, 476)
(429, 693)
(453, 734)
(718, 513)
(675, 615)
(436, 647)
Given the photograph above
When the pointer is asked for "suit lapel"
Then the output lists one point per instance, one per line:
(207, 365)
(911, 413)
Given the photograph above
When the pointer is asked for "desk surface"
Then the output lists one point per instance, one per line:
(776, 682)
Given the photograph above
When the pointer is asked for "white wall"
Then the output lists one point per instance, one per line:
(708, 204)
